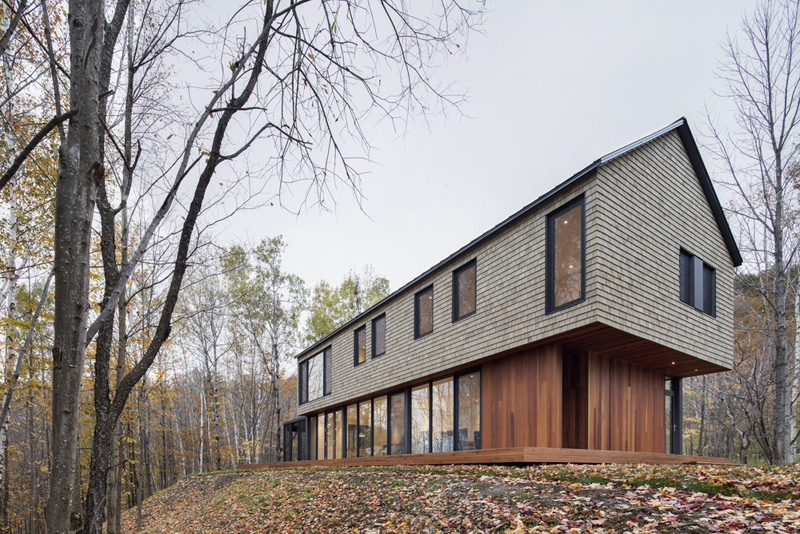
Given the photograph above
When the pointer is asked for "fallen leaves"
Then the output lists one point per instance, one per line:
(555, 498)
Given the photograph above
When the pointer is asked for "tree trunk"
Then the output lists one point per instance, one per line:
(795, 375)
(782, 382)
(79, 168)
(115, 473)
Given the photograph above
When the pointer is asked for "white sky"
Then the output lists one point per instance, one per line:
(552, 86)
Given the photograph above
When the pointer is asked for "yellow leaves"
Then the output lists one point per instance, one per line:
(310, 55)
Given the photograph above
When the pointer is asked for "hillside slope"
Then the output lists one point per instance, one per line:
(480, 499)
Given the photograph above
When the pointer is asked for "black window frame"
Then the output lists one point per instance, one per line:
(417, 296)
(302, 376)
(693, 289)
(550, 255)
(472, 263)
(374, 337)
(356, 332)
(405, 394)
(456, 405)
(327, 371)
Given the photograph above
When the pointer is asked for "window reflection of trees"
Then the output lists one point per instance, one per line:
(420, 412)
(567, 261)
(361, 344)
(466, 291)
(379, 333)
(330, 434)
(352, 429)
(398, 423)
(321, 437)
(379, 426)
(315, 377)
(337, 450)
(365, 429)
(469, 411)
(443, 415)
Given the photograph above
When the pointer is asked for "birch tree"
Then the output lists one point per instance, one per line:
(761, 76)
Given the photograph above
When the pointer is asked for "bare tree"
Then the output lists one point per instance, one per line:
(297, 77)
(762, 83)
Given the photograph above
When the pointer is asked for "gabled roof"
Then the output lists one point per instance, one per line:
(692, 151)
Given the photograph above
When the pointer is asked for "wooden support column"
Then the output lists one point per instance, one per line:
(626, 406)
(522, 399)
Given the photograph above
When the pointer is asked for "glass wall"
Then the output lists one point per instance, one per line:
(365, 429)
(352, 431)
(398, 436)
(420, 419)
(469, 411)
(379, 426)
(443, 415)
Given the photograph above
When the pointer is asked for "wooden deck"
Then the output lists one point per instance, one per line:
(512, 455)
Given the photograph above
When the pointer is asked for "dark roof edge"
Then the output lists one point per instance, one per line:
(705, 182)
(694, 157)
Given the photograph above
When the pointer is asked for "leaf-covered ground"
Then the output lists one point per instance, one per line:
(555, 498)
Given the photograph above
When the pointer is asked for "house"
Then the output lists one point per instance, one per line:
(567, 327)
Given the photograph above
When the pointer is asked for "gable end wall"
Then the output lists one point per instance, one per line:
(651, 204)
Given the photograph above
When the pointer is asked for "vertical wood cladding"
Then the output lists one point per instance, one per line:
(576, 405)
(625, 404)
(522, 399)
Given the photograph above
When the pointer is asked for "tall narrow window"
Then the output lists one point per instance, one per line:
(365, 429)
(312, 438)
(327, 368)
(464, 283)
(338, 431)
(360, 345)
(469, 411)
(352, 431)
(423, 312)
(565, 256)
(379, 336)
(321, 436)
(311, 377)
(442, 416)
(698, 283)
(302, 377)
(398, 423)
(379, 405)
(420, 419)
(330, 435)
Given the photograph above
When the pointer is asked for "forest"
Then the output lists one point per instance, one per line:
(139, 348)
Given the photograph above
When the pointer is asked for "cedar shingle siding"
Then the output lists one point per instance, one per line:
(641, 208)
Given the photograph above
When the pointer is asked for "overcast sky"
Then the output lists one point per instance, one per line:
(552, 86)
